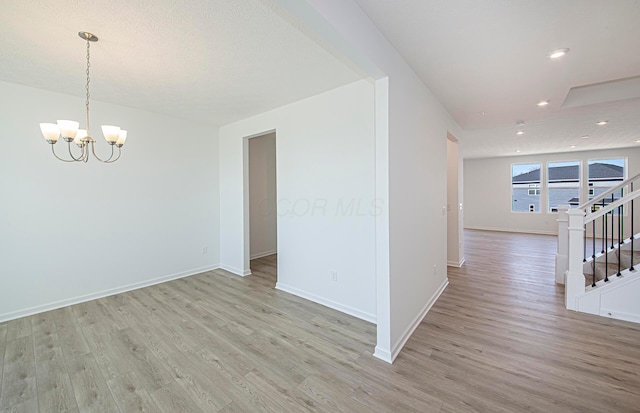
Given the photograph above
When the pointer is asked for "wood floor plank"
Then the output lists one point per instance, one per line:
(113, 314)
(55, 393)
(110, 360)
(3, 345)
(150, 370)
(271, 396)
(199, 385)
(130, 396)
(18, 328)
(19, 373)
(26, 406)
(173, 399)
(91, 391)
(69, 332)
(329, 395)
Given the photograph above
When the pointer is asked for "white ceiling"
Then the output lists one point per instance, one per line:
(489, 56)
(218, 61)
(215, 61)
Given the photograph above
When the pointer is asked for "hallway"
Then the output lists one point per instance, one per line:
(500, 340)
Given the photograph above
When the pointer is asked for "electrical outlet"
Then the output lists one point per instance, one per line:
(334, 276)
(435, 269)
(205, 250)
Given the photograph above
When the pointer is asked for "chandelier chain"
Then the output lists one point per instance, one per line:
(87, 87)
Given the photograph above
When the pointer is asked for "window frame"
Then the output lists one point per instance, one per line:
(539, 189)
(549, 209)
(591, 193)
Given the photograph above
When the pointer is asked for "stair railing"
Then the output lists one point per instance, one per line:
(598, 214)
(598, 199)
(605, 214)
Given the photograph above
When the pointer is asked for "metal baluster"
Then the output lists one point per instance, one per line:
(606, 254)
(612, 200)
(619, 238)
(632, 235)
(622, 216)
(584, 255)
(593, 256)
(604, 230)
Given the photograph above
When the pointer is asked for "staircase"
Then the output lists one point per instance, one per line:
(618, 259)
(598, 255)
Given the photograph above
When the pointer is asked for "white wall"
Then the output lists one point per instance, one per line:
(487, 189)
(411, 131)
(71, 232)
(455, 245)
(326, 222)
(262, 195)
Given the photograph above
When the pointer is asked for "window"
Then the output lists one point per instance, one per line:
(605, 174)
(563, 184)
(525, 187)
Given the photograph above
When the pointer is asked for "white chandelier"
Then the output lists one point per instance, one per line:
(68, 129)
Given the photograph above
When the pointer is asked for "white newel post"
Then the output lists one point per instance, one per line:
(562, 256)
(574, 277)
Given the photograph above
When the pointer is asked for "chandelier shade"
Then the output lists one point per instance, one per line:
(70, 131)
(50, 131)
(111, 133)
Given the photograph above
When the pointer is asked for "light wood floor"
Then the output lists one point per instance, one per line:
(498, 340)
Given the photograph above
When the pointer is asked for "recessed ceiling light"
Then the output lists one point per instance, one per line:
(602, 122)
(573, 146)
(517, 150)
(556, 54)
(543, 102)
(584, 137)
(520, 132)
(637, 141)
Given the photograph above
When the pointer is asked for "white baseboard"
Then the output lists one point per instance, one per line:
(101, 294)
(416, 322)
(456, 264)
(619, 315)
(517, 231)
(383, 355)
(263, 254)
(327, 303)
(236, 271)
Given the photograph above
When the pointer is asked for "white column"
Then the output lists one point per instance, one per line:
(574, 277)
(562, 256)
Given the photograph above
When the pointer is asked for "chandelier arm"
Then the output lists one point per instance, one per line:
(117, 157)
(63, 160)
(81, 158)
(93, 149)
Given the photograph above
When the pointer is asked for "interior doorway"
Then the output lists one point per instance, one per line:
(455, 219)
(263, 217)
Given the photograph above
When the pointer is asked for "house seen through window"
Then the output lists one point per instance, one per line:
(563, 184)
(525, 187)
(605, 174)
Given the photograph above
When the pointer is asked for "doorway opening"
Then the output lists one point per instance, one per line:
(263, 217)
(455, 221)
